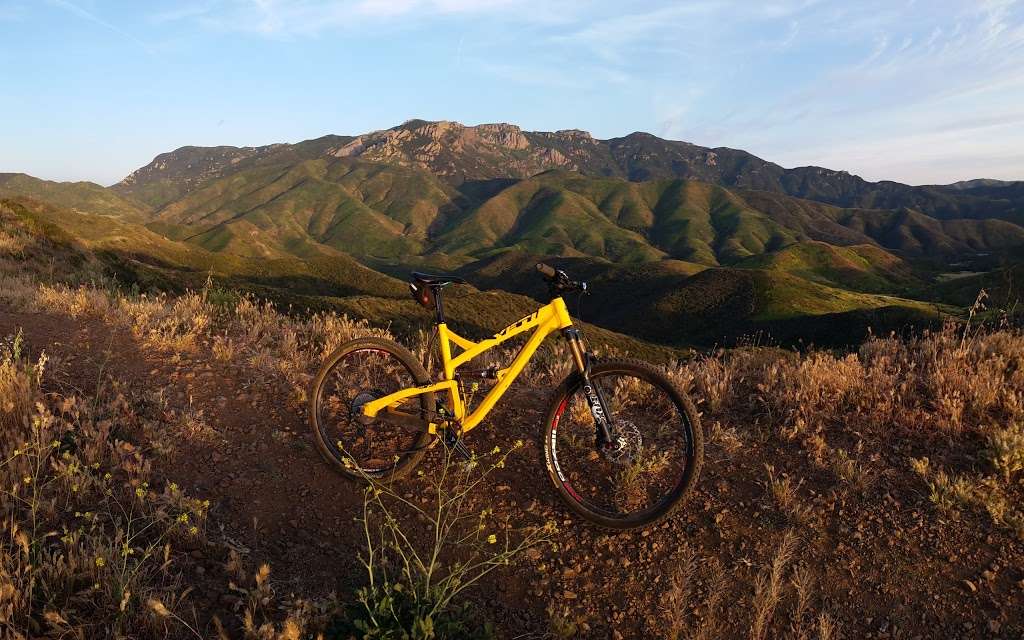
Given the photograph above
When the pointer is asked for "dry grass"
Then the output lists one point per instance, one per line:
(943, 381)
(84, 533)
(768, 588)
(696, 591)
(846, 468)
(785, 494)
(728, 438)
(952, 493)
(698, 587)
(245, 329)
(1005, 450)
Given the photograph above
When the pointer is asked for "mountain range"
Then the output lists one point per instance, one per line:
(712, 243)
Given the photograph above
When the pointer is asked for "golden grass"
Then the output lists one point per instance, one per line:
(785, 495)
(783, 602)
(1005, 450)
(952, 493)
(84, 533)
(942, 380)
(768, 587)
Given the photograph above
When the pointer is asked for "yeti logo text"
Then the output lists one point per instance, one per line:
(595, 404)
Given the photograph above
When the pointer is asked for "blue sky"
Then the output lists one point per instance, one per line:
(921, 92)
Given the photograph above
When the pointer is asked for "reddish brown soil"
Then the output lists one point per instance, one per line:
(887, 565)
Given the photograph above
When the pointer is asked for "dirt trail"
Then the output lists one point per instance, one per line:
(884, 566)
(250, 457)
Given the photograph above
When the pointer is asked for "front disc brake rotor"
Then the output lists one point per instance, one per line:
(626, 443)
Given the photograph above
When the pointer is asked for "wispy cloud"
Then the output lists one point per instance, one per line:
(88, 16)
(892, 86)
(288, 18)
(183, 12)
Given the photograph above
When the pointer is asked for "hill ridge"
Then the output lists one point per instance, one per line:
(458, 153)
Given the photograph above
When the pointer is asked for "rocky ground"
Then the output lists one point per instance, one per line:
(772, 543)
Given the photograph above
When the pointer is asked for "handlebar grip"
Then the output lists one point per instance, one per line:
(545, 270)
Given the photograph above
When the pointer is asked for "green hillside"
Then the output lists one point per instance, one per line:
(682, 244)
(865, 267)
(281, 206)
(139, 255)
(86, 197)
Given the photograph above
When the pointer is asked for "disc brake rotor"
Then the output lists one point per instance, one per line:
(626, 443)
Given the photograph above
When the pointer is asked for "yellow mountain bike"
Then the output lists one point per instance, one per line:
(622, 444)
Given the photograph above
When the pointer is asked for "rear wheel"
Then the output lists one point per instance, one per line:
(654, 457)
(358, 372)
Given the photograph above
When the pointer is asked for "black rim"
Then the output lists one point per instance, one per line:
(365, 374)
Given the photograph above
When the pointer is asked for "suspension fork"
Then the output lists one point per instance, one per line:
(591, 391)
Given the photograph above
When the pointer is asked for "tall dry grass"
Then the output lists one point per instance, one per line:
(945, 381)
(85, 534)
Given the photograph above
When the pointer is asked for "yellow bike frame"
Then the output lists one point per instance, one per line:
(546, 320)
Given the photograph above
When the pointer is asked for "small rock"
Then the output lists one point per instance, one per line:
(569, 595)
(970, 586)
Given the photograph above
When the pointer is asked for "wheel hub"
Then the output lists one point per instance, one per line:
(356, 408)
(626, 443)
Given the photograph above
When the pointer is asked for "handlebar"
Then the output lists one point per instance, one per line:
(558, 281)
(546, 271)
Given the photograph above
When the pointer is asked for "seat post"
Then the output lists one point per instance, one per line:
(438, 305)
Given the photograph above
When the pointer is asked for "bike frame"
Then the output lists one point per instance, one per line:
(545, 321)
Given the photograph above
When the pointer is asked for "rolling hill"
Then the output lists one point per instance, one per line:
(283, 206)
(84, 197)
(686, 244)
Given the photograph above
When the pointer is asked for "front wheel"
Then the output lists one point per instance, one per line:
(652, 461)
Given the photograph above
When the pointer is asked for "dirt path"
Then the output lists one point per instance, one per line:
(884, 566)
